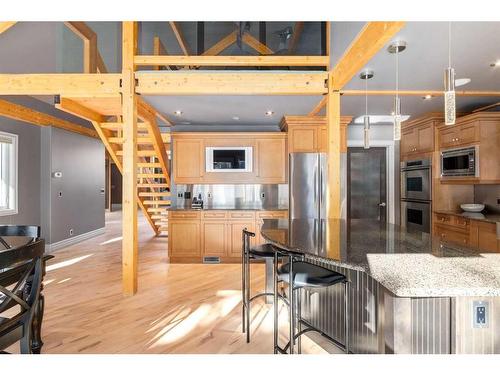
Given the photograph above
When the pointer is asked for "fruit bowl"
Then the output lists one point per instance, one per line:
(470, 207)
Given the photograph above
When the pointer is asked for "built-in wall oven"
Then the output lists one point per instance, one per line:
(460, 162)
(416, 195)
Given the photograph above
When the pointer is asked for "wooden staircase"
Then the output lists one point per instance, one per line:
(153, 179)
(153, 175)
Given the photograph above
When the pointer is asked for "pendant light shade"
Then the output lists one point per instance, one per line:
(397, 118)
(366, 132)
(366, 75)
(450, 110)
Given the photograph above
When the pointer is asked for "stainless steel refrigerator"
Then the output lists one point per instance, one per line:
(307, 184)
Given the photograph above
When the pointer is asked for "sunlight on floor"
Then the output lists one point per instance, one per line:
(66, 263)
(116, 239)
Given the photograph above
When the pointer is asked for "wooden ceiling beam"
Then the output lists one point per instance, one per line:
(20, 113)
(77, 85)
(148, 60)
(221, 45)
(76, 109)
(261, 48)
(317, 109)
(4, 26)
(367, 43)
(192, 83)
(297, 32)
(418, 92)
(180, 37)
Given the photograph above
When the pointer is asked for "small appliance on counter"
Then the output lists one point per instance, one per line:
(197, 203)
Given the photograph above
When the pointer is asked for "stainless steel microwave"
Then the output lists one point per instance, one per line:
(228, 159)
(460, 162)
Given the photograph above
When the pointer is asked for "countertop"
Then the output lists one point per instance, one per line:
(407, 263)
(229, 208)
(487, 217)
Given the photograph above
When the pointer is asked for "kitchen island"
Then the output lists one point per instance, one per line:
(410, 292)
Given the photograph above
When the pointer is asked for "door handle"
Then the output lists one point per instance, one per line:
(382, 204)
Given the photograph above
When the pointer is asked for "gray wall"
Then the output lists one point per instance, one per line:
(81, 204)
(28, 172)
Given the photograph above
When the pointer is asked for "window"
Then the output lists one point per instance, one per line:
(8, 174)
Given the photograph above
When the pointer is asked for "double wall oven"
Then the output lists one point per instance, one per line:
(416, 195)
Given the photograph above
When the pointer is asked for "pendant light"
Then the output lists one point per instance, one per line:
(450, 109)
(366, 75)
(397, 47)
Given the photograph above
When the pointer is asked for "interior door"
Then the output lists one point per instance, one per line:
(366, 183)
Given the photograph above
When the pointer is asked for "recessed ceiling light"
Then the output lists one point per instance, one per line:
(495, 64)
(236, 118)
(178, 113)
(427, 97)
(269, 113)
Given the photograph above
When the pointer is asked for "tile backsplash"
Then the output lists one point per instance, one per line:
(489, 195)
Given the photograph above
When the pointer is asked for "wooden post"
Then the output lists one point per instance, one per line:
(333, 124)
(129, 175)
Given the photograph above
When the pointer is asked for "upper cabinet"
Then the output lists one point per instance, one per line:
(418, 136)
(207, 158)
(310, 134)
(481, 130)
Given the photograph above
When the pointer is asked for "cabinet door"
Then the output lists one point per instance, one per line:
(214, 238)
(484, 236)
(235, 236)
(467, 133)
(272, 160)
(184, 238)
(188, 160)
(452, 236)
(425, 138)
(303, 139)
(408, 142)
(448, 137)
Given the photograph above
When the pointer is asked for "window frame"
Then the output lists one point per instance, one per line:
(13, 175)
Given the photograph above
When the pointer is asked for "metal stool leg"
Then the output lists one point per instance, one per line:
(346, 320)
(247, 282)
(292, 306)
(243, 284)
(275, 303)
(299, 317)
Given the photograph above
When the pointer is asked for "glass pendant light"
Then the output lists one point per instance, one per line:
(396, 47)
(366, 75)
(450, 109)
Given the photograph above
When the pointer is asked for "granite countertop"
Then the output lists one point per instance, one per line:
(229, 208)
(480, 216)
(407, 263)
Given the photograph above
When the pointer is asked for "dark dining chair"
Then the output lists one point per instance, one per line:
(21, 272)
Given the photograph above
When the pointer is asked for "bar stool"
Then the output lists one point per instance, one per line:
(251, 253)
(300, 274)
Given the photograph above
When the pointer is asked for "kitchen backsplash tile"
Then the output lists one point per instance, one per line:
(489, 196)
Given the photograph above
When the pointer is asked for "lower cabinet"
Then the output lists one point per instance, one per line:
(215, 233)
(467, 232)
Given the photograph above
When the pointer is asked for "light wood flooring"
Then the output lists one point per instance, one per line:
(179, 308)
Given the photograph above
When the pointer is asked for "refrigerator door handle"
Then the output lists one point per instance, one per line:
(315, 187)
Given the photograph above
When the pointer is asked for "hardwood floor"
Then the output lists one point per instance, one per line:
(179, 308)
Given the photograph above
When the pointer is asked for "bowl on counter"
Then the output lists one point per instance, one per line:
(472, 207)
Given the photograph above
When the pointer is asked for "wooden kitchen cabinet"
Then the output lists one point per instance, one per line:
(272, 160)
(417, 137)
(235, 236)
(188, 160)
(458, 135)
(214, 238)
(261, 215)
(184, 238)
(484, 236)
(310, 133)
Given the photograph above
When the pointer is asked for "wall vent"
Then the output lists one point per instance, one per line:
(211, 260)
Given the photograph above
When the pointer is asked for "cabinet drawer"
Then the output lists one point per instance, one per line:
(460, 222)
(214, 215)
(272, 215)
(184, 214)
(443, 219)
(452, 236)
(242, 215)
